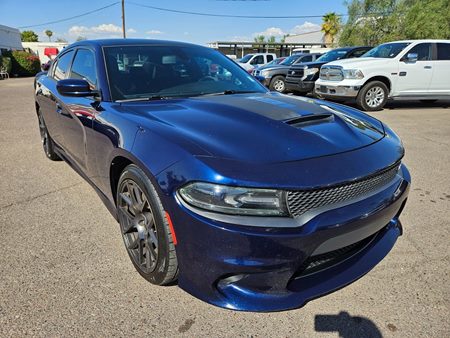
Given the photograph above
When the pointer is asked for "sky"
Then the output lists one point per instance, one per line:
(143, 22)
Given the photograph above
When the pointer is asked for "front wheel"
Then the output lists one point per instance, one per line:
(145, 229)
(278, 84)
(373, 96)
(47, 141)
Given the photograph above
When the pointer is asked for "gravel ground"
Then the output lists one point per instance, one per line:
(64, 270)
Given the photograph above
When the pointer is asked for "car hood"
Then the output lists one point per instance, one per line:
(261, 127)
(272, 67)
(358, 62)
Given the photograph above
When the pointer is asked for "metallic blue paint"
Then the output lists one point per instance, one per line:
(241, 140)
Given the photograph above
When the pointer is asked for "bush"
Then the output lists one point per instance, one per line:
(24, 63)
(5, 61)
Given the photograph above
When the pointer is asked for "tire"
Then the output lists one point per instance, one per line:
(145, 229)
(278, 84)
(373, 96)
(47, 141)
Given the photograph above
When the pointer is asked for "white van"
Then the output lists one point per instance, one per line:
(413, 70)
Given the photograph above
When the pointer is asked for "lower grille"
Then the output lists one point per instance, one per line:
(302, 201)
(321, 262)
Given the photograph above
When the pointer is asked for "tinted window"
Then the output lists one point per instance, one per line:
(357, 53)
(443, 51)
(269, 58)
(173, 71)
(258, 60)
(387, 50)
(333, 55)
(423, 51)
(290, 60)
(246, 58)
(62, 67)
(83, 67)
(307, 58)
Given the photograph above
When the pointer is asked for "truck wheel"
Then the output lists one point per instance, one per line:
(278, 84)
(372, 96)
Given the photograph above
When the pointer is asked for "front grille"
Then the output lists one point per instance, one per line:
(302, 201)
(331, 73)
(295, 73)
(256, 72)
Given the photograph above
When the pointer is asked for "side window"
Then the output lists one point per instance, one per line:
(269, 58)
(257, 60)
(443, 51)
(423, 51)
(62, 66)
(83, 67)
(357, 53)
(307, 58)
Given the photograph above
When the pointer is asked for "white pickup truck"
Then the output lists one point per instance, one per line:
(414, 70)
(250, 61)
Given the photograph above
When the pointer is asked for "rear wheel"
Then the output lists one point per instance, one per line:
(145, 229)
(373, 96)
(47, 142)
(278, 84)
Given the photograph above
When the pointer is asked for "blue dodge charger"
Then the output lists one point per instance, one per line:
(251, 199)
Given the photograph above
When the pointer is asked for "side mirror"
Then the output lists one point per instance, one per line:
(75, 87)
(411, 57)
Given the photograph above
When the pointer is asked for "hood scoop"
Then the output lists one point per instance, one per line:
(307, 120)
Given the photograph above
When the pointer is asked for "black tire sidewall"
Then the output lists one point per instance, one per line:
(361, 102)
(49, 148)
(274, 79)
(159, 275)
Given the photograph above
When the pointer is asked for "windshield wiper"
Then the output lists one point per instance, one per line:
(148, 98)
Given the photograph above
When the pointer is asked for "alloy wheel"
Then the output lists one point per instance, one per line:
(138, 226)
(278, 85)
(374, 97)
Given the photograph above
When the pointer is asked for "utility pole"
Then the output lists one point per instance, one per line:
(123, 19)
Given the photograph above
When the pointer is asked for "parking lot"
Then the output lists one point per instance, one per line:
(64, 270)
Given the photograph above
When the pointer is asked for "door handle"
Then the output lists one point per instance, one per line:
(427, 67)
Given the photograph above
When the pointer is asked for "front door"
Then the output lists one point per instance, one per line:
(414, 78)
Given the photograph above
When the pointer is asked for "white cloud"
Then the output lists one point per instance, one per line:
(305, 28)
(272, 31)
(153, 32)
(131, 31)
(109, 29)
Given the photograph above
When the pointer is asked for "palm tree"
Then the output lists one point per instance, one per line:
(331, 26)
(260, 38)
(49, 33)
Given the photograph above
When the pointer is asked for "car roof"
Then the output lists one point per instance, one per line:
(130, 42)
(419, 40)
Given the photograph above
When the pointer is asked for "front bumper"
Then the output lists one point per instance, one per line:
(343, 89)
(268, 269)
(299, 86)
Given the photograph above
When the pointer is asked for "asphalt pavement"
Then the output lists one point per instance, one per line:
(64, 270)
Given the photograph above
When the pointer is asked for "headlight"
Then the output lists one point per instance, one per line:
(310, 71)
(235, 200)
(353, 74)
(264, 73)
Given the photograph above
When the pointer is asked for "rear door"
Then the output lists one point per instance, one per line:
(78, 113)
(414, 78)
(440, 82)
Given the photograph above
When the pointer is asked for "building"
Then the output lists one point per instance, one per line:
(10, 38)
(44, 50)
(306, 42)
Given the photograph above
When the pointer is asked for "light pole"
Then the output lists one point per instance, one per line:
(123, 19)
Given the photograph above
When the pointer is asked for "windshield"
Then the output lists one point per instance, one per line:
(140, 72)
(332, 55)
(387, 50)
(290, 60)
(246, 58)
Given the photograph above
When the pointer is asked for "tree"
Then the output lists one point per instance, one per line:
(49, 33)
(81, 38)
(29, 36)
(260, 38)
(271, 39)
(283, 39)
(60, 40)
(331, 26)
